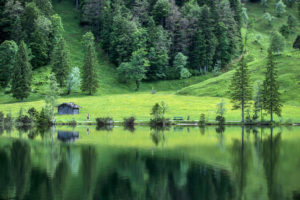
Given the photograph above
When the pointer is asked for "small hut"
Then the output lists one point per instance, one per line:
(68, 109)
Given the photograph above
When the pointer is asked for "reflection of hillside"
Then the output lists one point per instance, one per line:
(261, 166)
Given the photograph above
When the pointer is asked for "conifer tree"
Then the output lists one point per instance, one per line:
(60, 65)
(22, 74)
(271, 96)
(8, 50)
(17, 33)
(240, 88)
(205, 43)
(89, 77)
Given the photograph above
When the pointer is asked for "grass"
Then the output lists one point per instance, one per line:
(287, 63)
(195, 95)
(139, 105)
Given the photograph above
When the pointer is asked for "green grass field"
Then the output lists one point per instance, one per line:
(188, 97)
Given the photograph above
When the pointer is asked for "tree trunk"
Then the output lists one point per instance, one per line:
(77, 4)
(243, 119)
(137, 85)
(271, 116)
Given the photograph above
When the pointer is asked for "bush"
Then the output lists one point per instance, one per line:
(129, 122)
(23, 119)
(33, 114)
(220, 119)
(160, 122)
(202, 120)
(8, 119)
(1, 118)
(43, 118)
(104, 121)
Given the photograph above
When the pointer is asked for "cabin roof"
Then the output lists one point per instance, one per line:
(72, 105)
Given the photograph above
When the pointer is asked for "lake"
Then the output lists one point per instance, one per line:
(179, 163)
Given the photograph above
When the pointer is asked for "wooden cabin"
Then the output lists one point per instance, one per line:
(68, 109)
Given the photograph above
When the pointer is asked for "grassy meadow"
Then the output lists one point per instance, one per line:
(188, 97)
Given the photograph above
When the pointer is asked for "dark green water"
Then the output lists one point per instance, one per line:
(180, 163)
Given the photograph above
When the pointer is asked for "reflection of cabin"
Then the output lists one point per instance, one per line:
(68, 109)
(67, 136)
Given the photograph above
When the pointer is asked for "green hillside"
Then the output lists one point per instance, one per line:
(288, 63)
(120, 100)
(289, 78)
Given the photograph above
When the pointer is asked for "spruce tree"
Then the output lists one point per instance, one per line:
(240, 88)
(271, 96)
(22, 74)
(60, 65)
(8, 50)
(89, 77)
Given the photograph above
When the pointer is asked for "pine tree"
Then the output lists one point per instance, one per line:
(240, 88)
(205, 43)
(17, 33)
(60, 65)
(271, 96)
(89, 78)
(8, 50)
(22, 74)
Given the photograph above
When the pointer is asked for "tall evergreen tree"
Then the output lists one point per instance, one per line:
(205, 41)
(271, 96)
(22, 74)
(59, 61)
(89, 75)
(8, 50)
(240, 88)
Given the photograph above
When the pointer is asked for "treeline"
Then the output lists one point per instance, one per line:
(31, 37)
(173, 39)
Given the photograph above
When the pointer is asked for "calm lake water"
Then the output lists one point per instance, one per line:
(180, 163)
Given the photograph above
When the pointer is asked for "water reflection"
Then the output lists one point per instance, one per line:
(255, 163)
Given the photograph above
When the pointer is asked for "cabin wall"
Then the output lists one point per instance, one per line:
(66, 110)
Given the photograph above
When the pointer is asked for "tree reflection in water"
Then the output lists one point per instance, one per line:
(53, 170)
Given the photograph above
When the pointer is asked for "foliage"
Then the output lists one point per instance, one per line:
(52, 95)
(137, 67)
(269, 18)
(296, 44)
(21, 74)
(129, 123)
(44, 119)
(270, 92)
(277, 42)
(89, 75)
(158, 112)
(73, 80)
(280, 8)
(8, 50)
(202, 120)
(240, 88)
(104, 121)
(60, 63)
(33, 114)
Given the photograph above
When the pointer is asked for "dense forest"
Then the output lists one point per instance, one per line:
(144, 39)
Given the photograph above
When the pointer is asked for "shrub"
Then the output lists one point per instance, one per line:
(202, 120)
(220, 119)
(8, 119)
(43, 118)
(1, 118)
(104, 121)
(160, 122)
(129, 122)
(158, 113)
(33, 114)
(23, 119)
